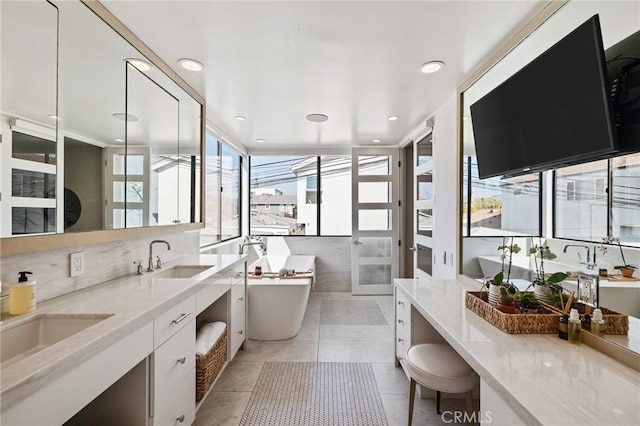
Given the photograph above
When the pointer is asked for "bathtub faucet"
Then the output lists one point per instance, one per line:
(248, 242)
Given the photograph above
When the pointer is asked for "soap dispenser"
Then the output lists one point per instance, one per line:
(22, 295)
(574, 327)
(597, 323)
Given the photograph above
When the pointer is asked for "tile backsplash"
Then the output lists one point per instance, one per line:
(102, 262)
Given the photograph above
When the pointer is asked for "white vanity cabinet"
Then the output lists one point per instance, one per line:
(402, 327)
(173, 379)
(238, 311)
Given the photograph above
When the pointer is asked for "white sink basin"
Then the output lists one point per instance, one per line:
(42, 331)
(184, 271)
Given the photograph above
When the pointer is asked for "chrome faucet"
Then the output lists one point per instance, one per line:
(150, 267)
(248, 242)
(588, 262)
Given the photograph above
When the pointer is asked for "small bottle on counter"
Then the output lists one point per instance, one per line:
(563, 327)
(597, 323)
(586, 322)
(574, 327)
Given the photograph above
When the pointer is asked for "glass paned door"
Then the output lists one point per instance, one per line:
(375, 212)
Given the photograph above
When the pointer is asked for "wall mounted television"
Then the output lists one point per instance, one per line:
(554, 112)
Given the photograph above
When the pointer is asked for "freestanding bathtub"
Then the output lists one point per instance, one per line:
(277, 305)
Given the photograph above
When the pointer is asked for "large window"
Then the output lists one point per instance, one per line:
(584, 209)
(302, 195)
(499, 206)
(223, 168)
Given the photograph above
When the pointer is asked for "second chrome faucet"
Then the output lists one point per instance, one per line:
(150, 267)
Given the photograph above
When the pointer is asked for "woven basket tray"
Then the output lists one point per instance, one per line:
(208, 366)
(545, 322)
(614, 322)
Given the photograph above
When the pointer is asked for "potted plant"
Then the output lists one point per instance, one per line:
(507, 302)
(543, 286)
(528, 303)
(495, 285)
(626, 270)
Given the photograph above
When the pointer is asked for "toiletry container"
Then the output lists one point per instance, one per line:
(575, 327)
(563, 327)
(22, 295)
(597, 323)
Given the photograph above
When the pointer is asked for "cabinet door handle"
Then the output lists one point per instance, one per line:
(180, 419)
(400, 303)
(400, 340)
(182, 360)
(400, 322)
(240, 299)
(239, 274)
(181, 318)
(400, 358)
(241, 332)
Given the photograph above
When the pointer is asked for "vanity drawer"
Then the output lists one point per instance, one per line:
(172, 363)
(180, 408)
(173, 320)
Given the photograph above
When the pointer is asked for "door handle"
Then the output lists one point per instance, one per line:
(357, 243)
(413, 248)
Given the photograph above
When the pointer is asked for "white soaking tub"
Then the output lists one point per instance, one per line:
(277, 305)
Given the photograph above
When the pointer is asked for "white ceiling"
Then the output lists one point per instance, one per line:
(355, 61)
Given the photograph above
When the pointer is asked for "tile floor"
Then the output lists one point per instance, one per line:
(337, 327)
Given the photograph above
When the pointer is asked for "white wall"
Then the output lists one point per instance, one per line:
(445, 189)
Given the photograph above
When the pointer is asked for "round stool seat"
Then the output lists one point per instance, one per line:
(439, 367)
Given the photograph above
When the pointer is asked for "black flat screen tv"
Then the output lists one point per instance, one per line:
(554, 112)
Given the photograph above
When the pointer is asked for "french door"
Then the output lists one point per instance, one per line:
(374, 217)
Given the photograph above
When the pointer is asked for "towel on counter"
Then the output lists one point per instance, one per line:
(208, 335)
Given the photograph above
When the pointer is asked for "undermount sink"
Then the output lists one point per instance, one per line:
(182, 271)
(42, 331)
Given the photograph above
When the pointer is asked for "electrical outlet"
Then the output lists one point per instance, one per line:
(77, 263)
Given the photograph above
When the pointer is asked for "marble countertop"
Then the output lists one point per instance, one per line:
(544, 379)
(132, 301)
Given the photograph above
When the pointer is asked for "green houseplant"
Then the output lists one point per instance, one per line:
(528, 302)
(507, 302)
(626, 270)
(544, 286)
(498, 281)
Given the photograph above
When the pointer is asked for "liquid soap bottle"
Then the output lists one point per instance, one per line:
(575, 327)
(22, 295)
(597, 323)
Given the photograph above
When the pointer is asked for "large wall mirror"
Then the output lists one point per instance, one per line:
(100, 137)
(499, 210)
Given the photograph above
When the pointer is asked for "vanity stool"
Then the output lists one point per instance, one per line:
(439, 367)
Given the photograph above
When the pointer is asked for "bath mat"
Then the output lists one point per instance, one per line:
(309, 393)
(351, 312)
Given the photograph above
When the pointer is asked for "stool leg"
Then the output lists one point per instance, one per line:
(438, 402)
(412, 397)
(469, 398)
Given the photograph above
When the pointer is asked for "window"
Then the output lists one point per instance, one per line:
(500, 206)
(581, 201)
(223, 174)
(288, 197)
(625, 212)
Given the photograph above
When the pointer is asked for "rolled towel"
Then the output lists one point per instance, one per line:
(208, 335)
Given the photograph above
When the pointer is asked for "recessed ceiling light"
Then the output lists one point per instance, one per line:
(376, 141)
(260, 140)
(431, 67)
(240, 118)
(317, 118)
(123, 117)
(139, 64)
(392, 118)
(190, 64)
(118, 140)
(55, 117)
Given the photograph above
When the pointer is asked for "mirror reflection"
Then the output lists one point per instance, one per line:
(92, 167)
(571, 209)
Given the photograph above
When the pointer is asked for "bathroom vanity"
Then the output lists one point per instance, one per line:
(527, 379)
(128, 356)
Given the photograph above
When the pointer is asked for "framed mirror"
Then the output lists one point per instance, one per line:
(522, 209)
(118, 109)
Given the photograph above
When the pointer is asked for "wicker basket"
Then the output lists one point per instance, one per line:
(614, 322)
(208, 366)
(544, 322)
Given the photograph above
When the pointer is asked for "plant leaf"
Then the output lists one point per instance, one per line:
(498, 278)
(557, 277)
